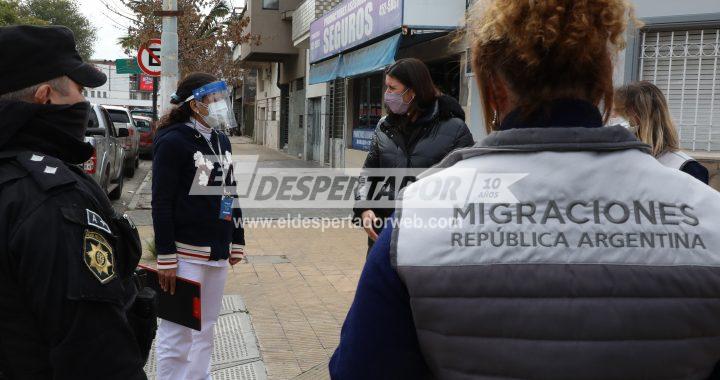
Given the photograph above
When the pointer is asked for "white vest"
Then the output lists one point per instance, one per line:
(675, 160)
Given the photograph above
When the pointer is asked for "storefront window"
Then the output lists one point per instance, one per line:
(368, 109)
(447, 76)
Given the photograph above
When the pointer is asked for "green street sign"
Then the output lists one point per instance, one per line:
(127, 66)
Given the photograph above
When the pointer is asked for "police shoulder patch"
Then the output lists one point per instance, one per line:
(95, 220)
(98, 256)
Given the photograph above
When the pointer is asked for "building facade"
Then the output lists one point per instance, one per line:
(126, 90)
(678, 49)
(352, 45)
(323, 63)
(267, 107)
(329, 118)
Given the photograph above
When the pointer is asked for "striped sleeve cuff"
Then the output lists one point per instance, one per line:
(237, 251)
(168, 261)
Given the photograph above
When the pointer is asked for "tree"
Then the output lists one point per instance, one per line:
(12, 14)
(66, 13)
(51, 12)
(208, 31)
(8, 13)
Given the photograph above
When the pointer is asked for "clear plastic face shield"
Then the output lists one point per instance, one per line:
(215, 103)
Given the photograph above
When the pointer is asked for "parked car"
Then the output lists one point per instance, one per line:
(146, 128)
(122, 120)
(142, 112)
(106, 164)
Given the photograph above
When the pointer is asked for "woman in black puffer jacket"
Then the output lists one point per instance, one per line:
(422, 127)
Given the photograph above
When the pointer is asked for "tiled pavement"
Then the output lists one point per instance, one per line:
(298, 285)
(297, 308)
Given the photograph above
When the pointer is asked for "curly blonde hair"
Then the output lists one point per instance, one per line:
(548, 49)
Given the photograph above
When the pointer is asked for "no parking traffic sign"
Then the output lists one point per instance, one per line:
(149, 58)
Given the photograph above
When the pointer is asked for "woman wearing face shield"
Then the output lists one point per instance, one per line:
(645, 109)
(422, 127)
(197, 234)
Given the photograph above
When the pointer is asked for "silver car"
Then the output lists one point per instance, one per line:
(106, 164)
(131, 143)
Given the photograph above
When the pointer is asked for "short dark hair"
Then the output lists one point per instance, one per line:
(182, 113)
(413, 74)
(60, 84)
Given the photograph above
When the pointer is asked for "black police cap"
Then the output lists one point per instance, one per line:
(30, 55)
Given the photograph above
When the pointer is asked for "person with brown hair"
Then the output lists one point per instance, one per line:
(587, 260)
(645, 108)
(197, 236)
(422, 127)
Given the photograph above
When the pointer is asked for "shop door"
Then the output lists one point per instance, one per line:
(315, 130)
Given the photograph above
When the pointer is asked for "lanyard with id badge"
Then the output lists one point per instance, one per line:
(226, 203)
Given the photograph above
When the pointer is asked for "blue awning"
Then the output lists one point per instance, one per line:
(325, 71)
(369, 59)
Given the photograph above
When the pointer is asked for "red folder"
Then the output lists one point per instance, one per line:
(183, 307)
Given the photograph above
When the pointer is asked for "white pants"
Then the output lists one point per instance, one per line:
(184, 353)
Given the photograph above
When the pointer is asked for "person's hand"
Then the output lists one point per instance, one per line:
(368, 221)
(167, 279)
(236, 260)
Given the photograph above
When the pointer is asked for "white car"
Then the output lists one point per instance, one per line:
(106, 164)
(123, 120)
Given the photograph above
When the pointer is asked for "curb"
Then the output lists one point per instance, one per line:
(136, 197)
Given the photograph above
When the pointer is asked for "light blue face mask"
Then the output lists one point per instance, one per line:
(396, 104)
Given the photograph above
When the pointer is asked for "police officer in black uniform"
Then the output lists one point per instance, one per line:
(66, 257)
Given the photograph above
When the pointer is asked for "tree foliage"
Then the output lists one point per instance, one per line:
(208, 30)
(51, 12)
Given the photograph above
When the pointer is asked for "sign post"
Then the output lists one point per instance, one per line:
(154, 98)
(148, 60)
(169, 35)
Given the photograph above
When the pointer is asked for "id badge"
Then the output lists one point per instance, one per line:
(226, 208)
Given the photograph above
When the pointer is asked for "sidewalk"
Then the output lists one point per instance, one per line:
(297, 284)
(298, 288)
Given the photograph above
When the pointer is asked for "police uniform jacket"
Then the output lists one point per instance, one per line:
(64, 286)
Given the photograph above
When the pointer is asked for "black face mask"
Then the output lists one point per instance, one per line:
(71, 119)
(56, 130)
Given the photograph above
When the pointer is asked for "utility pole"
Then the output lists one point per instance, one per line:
(155, 99)
(168, 53)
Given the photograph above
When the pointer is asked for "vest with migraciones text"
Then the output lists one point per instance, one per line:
(561, 253)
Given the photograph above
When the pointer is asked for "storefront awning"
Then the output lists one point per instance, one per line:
(325, 71)
(369, 59)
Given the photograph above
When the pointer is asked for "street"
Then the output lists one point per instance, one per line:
(297, 284)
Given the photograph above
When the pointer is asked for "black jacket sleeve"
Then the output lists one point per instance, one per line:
(464, 138)
(362, 192)
(238, 239)
(696, 170)
(165, 182)
(81, 318)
